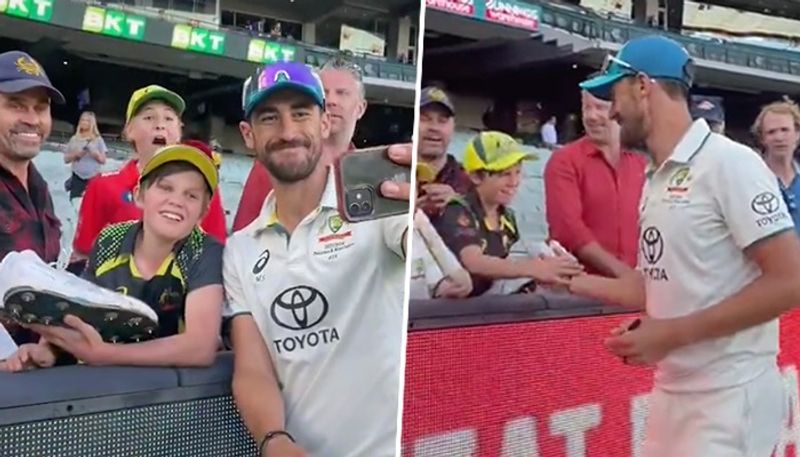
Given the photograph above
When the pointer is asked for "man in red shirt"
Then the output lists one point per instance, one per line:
(345, 103)
(152, 121)
(592, 192)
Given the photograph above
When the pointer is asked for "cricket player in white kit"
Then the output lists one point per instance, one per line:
(315, 302)
(719, 262)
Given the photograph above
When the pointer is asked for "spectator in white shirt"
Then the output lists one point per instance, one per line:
(549, 134)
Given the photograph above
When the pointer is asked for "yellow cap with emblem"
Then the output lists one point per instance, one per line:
(494, 151)
(153, 92)
(184, 153)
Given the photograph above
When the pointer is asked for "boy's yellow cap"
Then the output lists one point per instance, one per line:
(184, 153)
(494, 151)
(154, 92)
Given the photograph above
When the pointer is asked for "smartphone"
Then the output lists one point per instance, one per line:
(359, 175)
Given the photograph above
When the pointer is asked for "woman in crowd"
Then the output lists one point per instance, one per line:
(86, 153)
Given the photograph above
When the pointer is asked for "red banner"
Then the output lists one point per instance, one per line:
(513, 13)
(462, 7)
(539, 389)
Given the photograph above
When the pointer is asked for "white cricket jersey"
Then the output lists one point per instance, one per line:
(328, 301)
(709, 201)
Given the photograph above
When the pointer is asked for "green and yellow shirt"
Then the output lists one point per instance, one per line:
(195, 262)
(464, 223)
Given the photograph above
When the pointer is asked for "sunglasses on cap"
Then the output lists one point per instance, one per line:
(611, 59)
(630, 70)
(271, 77)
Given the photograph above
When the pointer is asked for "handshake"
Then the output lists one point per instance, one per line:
(553, 266)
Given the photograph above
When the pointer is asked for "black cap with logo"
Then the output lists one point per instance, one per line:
(707, 107)
(20, 72)
(434, 95)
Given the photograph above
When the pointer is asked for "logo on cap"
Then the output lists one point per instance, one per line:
(437, 95)
(29, 66)
(281, 75)
(705, 105)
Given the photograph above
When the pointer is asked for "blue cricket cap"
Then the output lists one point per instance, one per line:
(281, 76)
(656, 56)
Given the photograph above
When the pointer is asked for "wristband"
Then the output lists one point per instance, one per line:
(269, 436)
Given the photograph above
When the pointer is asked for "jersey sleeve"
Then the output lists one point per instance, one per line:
(458, 228)
(235, 302)
(750, 199)
(394, 231)
(207, 269)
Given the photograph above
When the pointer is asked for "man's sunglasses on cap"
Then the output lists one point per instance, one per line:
(611, 60)
(286, 75)
(624, 68)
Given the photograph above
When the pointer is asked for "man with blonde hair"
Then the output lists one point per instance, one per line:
(777, 128)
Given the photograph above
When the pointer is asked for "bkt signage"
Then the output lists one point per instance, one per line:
(198, 39)
(114, 23)
(37, 10)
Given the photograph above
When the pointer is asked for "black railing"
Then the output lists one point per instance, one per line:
(81, 411)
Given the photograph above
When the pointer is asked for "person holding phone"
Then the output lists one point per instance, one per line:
(314, 303)
(86, 154)
(345, 103)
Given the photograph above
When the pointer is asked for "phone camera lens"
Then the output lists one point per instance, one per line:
(354, 208)
(366, 207)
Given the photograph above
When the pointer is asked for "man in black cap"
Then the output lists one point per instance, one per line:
(710, 109)
(27, 218)
(436, 126)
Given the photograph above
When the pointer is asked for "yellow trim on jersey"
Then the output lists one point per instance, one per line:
(162, 269)
(109, 265)
(127, 258)
(506, 222)
(273, 218)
